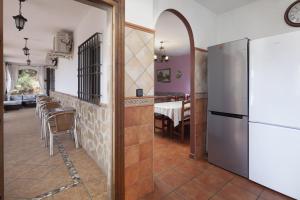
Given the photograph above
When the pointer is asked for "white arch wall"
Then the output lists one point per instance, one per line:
(203, 21)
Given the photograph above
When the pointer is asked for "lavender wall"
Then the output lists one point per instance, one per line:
(183, 84)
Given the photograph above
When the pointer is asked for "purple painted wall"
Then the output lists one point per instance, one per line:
(182, 84)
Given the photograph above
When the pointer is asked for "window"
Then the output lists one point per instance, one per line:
(89, 69)
(27, 82)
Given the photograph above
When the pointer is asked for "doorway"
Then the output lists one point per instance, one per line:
(174, 92)
(116, 24)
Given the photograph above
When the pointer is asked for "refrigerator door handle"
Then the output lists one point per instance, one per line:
(227, 115)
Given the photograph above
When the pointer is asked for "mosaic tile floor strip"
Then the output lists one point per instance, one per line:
(72, 172)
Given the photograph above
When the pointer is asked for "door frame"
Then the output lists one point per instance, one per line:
(118, 15)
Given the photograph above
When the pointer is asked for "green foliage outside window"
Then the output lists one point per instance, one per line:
(27, 82)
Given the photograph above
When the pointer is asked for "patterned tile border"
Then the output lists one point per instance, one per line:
(139, 102)
(72, 172)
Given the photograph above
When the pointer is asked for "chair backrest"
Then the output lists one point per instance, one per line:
(186, 110)
(51, 105)
(43, 99)
(63, 121)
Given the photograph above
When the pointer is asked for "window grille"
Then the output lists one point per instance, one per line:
(89, 69)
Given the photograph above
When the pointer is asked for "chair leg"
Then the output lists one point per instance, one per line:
(43, 128)
(76, 138)
(51, 144)
(182, 132)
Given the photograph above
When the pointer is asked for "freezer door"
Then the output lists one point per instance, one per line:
(228, 142)
(228, 77)
(274, 158)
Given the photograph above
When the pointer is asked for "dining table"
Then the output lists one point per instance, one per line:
(172, 110)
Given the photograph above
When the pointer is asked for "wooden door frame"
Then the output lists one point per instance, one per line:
(118, 15)
(192, 81)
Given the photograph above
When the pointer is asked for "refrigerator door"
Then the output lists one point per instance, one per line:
(275, 80)
(228, 142)
(228, 77)
(274, 158)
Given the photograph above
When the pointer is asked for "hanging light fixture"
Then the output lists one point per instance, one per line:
(28, 60)
(19, 19)
(162, 56)
(25, 49)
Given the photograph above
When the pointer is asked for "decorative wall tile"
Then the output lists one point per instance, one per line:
(139, 51)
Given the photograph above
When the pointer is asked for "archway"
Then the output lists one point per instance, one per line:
(192, 74)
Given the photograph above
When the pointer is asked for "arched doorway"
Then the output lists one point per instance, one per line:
(190, 47)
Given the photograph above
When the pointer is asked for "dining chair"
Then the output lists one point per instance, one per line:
(40, 101)
(44, 110)
(61, 123)
(164, 122)
(185, 119)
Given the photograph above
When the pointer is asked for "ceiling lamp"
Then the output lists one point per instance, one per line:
(161, 57)
(19, 19)
(25, 49)
(28, 60)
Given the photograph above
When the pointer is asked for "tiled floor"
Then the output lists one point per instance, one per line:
(179, 178)
(29, 170)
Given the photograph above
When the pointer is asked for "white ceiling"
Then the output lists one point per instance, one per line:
(222, 6)
(45, 19)
(170, 29)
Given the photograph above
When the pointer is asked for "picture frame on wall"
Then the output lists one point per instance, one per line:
(163, 75)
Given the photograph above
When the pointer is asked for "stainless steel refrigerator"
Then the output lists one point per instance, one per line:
(228, 106)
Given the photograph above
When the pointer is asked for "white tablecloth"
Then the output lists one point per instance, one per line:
(171, 110)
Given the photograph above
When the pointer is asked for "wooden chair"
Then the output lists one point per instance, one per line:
(185, 119)
(164, 121)
(62, 123)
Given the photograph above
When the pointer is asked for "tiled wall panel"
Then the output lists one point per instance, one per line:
(139, 63)
(139, 135)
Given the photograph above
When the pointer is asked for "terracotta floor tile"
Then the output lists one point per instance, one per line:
(173, 178)
(173, 196)
(30, 171)
(247, 185)
(189, 169)
(212, 181)
(194, 191)
(226, 175)
(233, 192)
(76, 193)
(161, 189)
(38, 171)
(96, 187)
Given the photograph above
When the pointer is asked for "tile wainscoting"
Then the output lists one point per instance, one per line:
(94, 126)
(139, 137)
(198, 150)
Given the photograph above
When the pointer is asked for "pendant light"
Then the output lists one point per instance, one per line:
(25, 49)
(162, 56)
(28, 60)
(19, 19)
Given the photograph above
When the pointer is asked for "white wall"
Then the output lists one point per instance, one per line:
(259, 19)
(146, 12)
(66, 75)
(201, 19)
(139, 12)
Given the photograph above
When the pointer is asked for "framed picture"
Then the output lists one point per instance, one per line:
(163, 75)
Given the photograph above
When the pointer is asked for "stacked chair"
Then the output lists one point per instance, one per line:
(55, 120)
